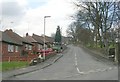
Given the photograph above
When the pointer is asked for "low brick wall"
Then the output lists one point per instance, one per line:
(50, 54)
(18, 58)
(26, 58)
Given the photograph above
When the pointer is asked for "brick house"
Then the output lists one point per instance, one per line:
(0, 46)
(48, 52)
(9, 47)
(36, 41)
(20, 49)
(26, 45)
(48, 40)
(40, 38)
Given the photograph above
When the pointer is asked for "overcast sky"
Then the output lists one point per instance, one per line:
(28, 15)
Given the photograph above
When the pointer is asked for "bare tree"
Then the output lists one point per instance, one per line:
(98, 17)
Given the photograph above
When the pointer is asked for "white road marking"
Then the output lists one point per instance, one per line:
(76, 60)
(76, 64)
(33, 66)
(24, 68)
(84, 73)
(98, 70)
(110, 68)
(78, 70)
(91, 71)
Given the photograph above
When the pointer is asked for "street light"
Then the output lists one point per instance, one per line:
(44, 35)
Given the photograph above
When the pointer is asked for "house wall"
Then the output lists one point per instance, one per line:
(0, 44)
(0, 51)
(6, 55)
(26, 49)
(36, 47)
(16, 56)
(5, 51)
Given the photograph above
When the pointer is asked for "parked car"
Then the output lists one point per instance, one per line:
(111, 53)
(47, 50)
(57, 47)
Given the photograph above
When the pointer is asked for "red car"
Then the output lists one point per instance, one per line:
(47, 50)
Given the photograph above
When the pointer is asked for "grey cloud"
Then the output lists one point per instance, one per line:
(11, 12)
(12, 9)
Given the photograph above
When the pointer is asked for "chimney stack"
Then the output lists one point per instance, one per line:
(10, 30)
(26, 34)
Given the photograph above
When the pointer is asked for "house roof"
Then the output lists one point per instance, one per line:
(5, 38)
(0, 35)
(16, 37)
(38, 38)
(30, 39)
(49, 39)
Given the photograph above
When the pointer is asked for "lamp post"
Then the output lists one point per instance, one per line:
(44, 35)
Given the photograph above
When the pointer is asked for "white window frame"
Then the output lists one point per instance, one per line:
(10, 48)
(30, 47)
(26, 47)
(39, 46)
(16, 48)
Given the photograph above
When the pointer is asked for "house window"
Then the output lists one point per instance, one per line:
(26, 47)
(39, 46)
(16, 48)
(10, 48)
(30, 47)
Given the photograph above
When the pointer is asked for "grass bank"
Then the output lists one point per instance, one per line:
(4, 66)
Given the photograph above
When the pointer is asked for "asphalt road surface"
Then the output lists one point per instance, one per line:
(76, 64)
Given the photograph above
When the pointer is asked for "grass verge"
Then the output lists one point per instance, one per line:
(4, 66)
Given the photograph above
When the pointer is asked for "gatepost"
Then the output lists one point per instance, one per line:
(116, 52)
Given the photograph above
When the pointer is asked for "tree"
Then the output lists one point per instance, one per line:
(101, 15)
(71, 31)
(94, 21)
(58, 37)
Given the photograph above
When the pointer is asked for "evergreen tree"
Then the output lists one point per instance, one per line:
(58, 37)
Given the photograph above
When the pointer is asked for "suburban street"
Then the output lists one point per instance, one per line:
(76, 64)
(59, 40)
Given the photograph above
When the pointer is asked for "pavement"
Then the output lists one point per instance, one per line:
(8, 74)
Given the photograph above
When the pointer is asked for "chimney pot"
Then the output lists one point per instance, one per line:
(26, 34)
(10, 30)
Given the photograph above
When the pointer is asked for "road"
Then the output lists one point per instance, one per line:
(76, 64)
